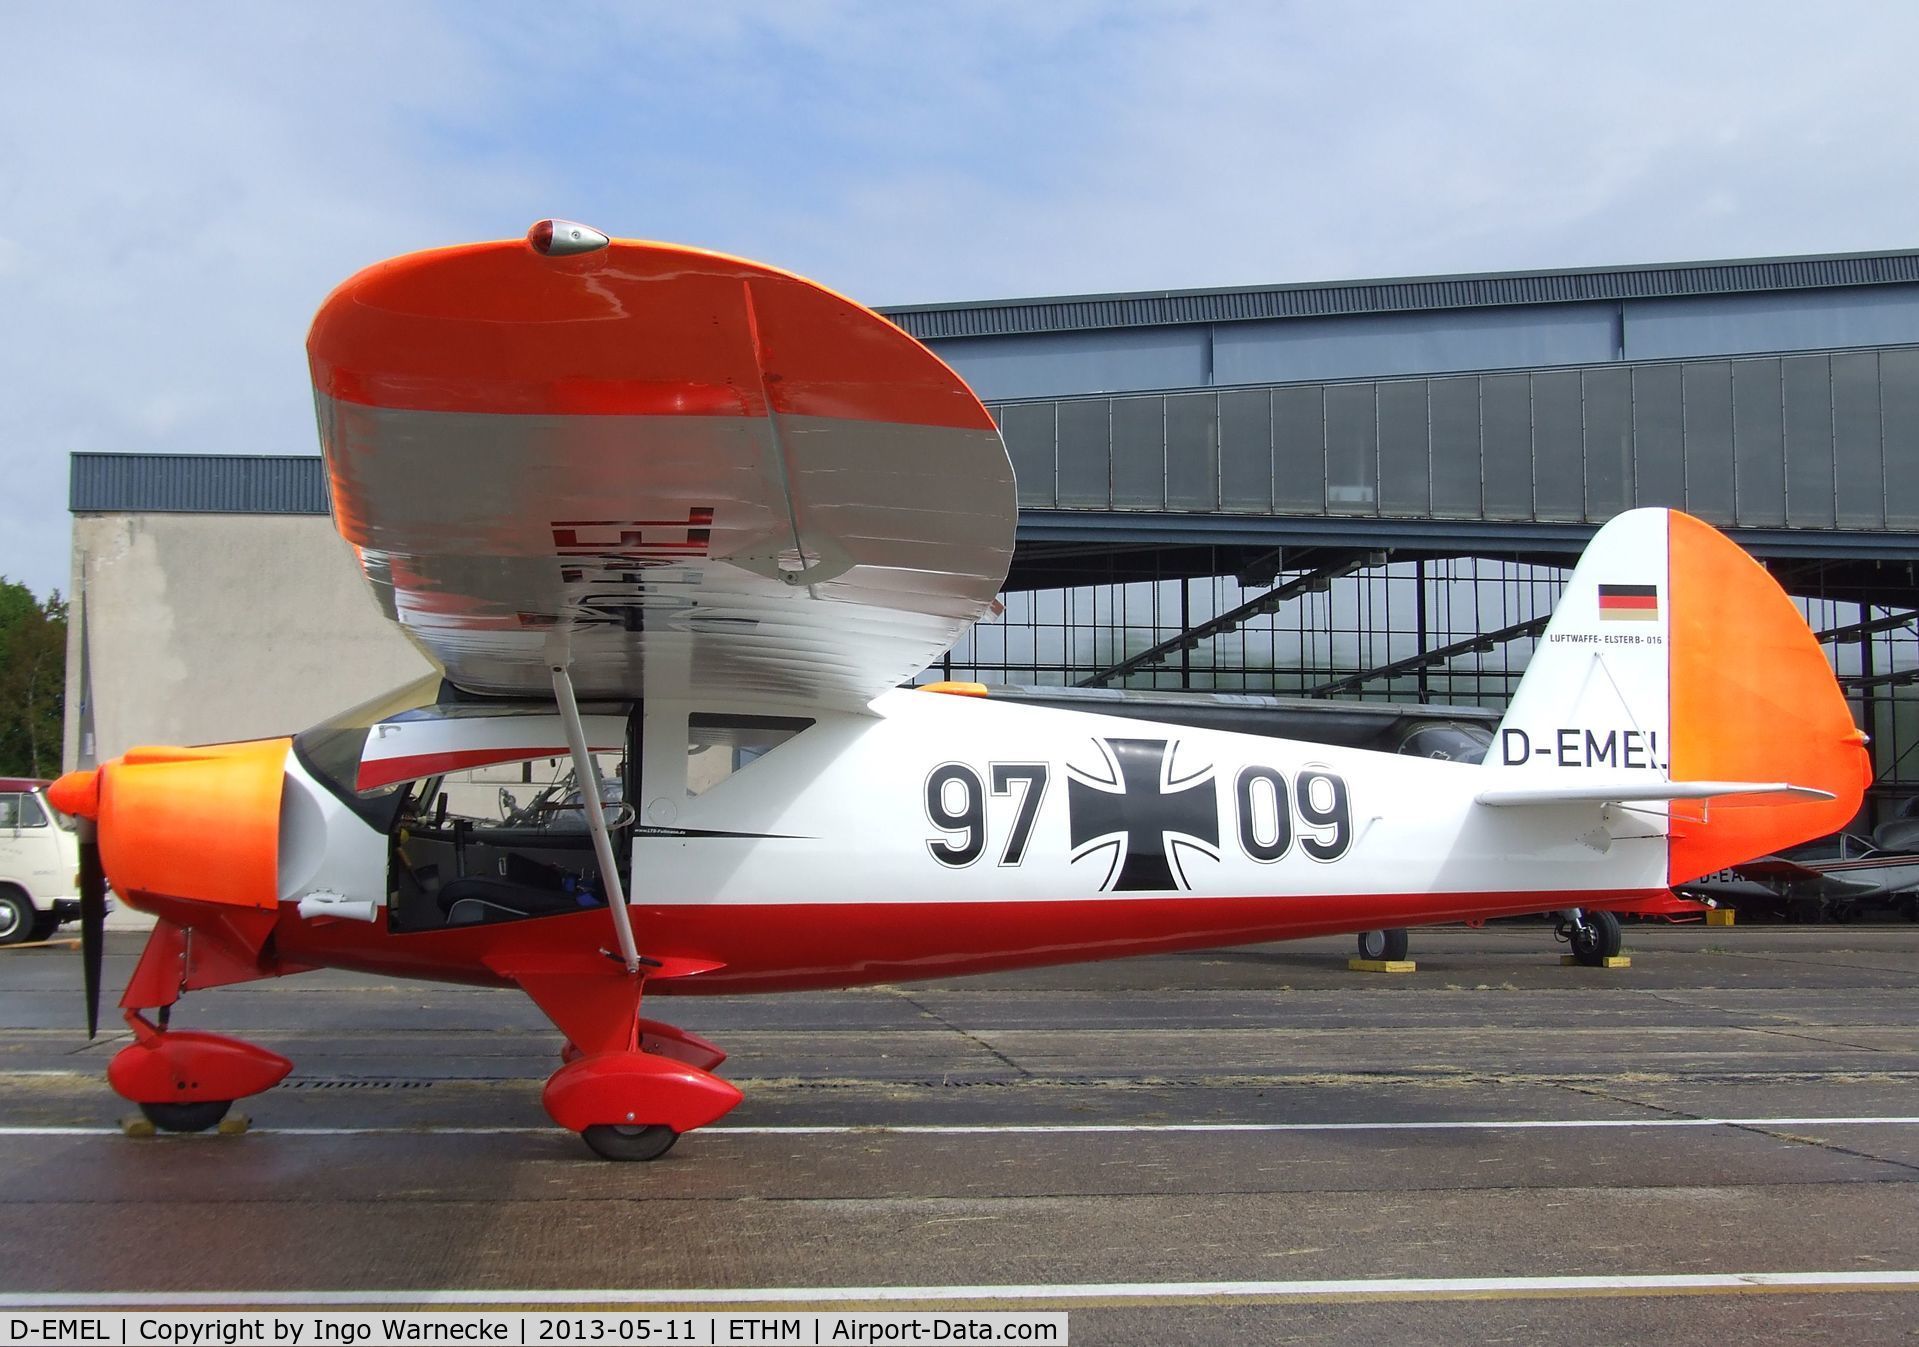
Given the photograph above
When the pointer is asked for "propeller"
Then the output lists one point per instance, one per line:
(93, 918)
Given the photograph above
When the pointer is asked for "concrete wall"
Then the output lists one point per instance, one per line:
(198, 628)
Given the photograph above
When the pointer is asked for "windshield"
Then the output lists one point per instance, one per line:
(332, 750)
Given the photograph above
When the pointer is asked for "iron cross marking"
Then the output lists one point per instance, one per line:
(1143, 814)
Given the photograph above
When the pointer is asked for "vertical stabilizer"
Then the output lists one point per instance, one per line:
(1674, 657)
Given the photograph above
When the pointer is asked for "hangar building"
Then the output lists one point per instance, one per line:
(1352, 489)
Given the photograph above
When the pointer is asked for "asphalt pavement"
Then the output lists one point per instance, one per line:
(1719, 1142)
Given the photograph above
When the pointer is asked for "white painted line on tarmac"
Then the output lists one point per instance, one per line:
(1066, 1129)
(1159, 1292)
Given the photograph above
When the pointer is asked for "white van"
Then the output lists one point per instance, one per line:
(39, 863)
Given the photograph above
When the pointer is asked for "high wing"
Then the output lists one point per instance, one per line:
(666, 468)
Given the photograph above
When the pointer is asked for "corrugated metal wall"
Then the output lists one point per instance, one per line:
(1067, 313)
(1819, 441)
(197, 484)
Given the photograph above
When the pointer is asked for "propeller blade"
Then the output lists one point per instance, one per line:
(93, 920)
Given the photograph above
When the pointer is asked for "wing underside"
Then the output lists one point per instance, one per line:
(671, 470)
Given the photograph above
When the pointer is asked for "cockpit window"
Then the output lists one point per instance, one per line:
(333, 749)
(718, 746)
(1448, 742)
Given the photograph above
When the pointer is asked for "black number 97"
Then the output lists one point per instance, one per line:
(955, 803)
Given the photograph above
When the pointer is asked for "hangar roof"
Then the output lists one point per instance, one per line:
(1147, 308)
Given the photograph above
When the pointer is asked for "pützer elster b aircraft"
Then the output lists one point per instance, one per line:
(687, 523)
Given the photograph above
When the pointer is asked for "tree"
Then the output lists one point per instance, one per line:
(33, 680)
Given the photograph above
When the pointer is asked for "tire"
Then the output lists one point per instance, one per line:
(1598, 940)
(17, 917)
(615, 1142)
(44, 925)
(1390, 945)
(197, 1116)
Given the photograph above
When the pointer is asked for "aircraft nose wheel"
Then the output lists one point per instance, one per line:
(196, 1116)
(612, 1141)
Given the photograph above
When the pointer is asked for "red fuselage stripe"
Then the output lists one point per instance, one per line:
(766, 947)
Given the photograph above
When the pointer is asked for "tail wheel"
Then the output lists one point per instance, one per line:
(611, 1141)
(1597, 939)
(1390, 945)
(196, 1116)
(16, 917)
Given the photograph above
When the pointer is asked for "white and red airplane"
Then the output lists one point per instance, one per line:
(651, 506)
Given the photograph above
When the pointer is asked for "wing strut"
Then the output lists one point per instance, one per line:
(587, 774)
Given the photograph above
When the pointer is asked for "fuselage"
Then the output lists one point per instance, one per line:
(931, 835)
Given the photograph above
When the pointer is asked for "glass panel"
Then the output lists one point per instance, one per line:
(1352, 450)
(1759, 445)
(1559, 450)
(1139, 453)
(1808, 392)
(1709, 479)
(1246, 450)
(1405, 468)
(1192, 452)
(31, 815)
(1506, 419)
(719, 746)
(1028, 428)
(1858, 476)
(1608, 396)
(1659, 436)
(1084, 432)
(9, 811)
(1899, 429)
(1453, 405)
(484, 800)
(1299, 450)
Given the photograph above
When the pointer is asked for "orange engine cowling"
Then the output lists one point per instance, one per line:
(195, 823)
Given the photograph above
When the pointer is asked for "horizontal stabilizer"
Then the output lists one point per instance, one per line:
(1621, 789)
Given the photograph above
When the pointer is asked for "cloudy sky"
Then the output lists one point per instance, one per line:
(183, 183)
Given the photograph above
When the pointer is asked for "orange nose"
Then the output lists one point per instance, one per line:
(199, 823)
(77, 793)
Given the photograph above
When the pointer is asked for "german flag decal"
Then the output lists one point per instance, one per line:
(1628, 603)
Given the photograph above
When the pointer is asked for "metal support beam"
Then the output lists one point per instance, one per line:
(1439, 656)
(1268, 602)
(587, 774)
(1868, 626)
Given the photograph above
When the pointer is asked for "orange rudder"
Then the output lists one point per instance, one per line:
(1752, 698)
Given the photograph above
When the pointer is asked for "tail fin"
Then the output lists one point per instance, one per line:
(1672, 658)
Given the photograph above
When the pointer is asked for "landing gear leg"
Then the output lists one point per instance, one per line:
(184, 1080)
(1594, 935)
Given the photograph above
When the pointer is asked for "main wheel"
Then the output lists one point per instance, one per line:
(44, 925)
(16, 917)
(612, 1141)
(197, 1116)
(1598, 940)
(1390, 945)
